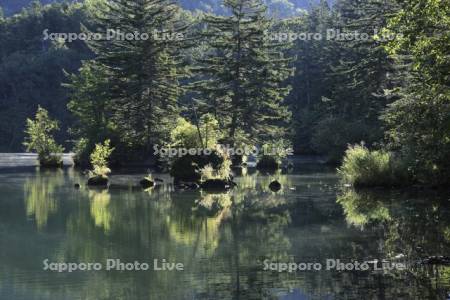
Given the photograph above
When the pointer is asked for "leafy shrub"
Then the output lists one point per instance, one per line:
(363, 168)
(39, 138)
(99, 159)
(187, 135)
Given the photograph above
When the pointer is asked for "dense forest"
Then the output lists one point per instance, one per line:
(281, 8)
(376, 73)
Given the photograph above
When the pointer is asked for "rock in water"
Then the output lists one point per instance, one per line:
(76, 185)
(99, 181)
(268, 163)
(146, 183)
(216, 185)
(275, 186)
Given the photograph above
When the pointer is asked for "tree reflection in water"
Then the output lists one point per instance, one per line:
(39, 195)
(223, 239)
(413, 226)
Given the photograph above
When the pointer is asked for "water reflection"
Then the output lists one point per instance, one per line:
(39, 195)
(363, 207)
(222, 239)
(100, 212)
(413, 225)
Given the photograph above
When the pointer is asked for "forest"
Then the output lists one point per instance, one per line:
(368, 89)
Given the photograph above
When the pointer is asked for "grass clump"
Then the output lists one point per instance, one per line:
(222, 173)
(362, 167)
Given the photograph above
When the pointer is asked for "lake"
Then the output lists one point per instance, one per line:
(231, 246)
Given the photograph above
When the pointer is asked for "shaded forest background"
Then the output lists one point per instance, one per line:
(389, 91)
(32, 70)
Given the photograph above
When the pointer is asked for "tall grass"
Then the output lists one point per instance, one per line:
(222, 173)
(362, 167)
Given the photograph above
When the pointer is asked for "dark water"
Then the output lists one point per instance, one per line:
(222, 239)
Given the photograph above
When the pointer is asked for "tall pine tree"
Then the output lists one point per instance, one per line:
(358, 78)
(242, 74)
(141, 74)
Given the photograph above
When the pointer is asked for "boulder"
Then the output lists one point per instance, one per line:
(146, 183)
(76, 185)
(51, 162)
(98, 181)
(216, 185)
(187, 168)
(275, 186)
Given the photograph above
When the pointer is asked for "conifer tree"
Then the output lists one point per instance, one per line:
(141, 72)
(242, 74)
(358, 77)
(312, 81)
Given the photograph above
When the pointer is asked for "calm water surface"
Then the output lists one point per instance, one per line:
(222, 239)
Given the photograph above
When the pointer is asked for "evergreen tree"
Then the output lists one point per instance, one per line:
(312, 80)
(358, 79)
(140, 83)
(242, 74)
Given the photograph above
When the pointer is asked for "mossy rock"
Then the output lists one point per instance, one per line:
(268, 163)
(187, 168)
(98, 181)
(50, 163)
(275, 186)
(146, 183)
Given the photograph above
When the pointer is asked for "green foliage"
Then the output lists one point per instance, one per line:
(209, 131)
(364, 168)
(39, 138)
(363, 207)
(99, 159)
(188, 167)
(333, 135)
(185, 134)
(204, 135)
(418, 122)
(223, 172)
(31, 67)
(278, 149)
(88, 102)
(338, 86)
(241, 73)
(135, 81)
